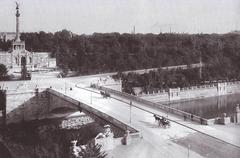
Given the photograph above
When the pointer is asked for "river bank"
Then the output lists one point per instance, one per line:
(192, 93)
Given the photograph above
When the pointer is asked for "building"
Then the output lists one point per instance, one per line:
(7, 36)
(18, 55)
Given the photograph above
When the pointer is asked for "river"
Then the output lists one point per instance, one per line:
(211, 107)
(44, 138)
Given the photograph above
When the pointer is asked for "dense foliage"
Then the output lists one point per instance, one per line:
(45, 139)
(3, 72)
(5, 46)
(116, 52)
(163, 79)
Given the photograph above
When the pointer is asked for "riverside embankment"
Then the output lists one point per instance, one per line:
(191, 93)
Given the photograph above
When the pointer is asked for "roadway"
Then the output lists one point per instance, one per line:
(170, 142)
(176, 141)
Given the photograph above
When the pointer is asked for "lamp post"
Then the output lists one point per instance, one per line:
(65, 87)
(130, 110)
(91, 98)
(188, 149)
(167, 111)
(23, 111)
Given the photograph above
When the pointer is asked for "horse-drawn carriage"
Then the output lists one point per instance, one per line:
(162, 121)
(105, 94)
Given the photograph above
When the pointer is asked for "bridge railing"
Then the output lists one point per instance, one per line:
(165, 108)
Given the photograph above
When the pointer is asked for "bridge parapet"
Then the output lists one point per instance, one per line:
(88, 109)
(165, 108)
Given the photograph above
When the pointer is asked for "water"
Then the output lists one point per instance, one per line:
(43, 138)
(211, 107)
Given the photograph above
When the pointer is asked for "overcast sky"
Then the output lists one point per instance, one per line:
(148, 16)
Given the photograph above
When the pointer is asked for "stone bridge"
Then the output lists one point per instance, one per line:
(40, 103)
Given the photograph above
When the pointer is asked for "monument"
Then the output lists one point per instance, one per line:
(18, 57)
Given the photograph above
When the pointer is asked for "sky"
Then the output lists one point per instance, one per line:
(148, 16)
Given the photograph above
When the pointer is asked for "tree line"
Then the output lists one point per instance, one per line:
(163, 79)
(107, 52)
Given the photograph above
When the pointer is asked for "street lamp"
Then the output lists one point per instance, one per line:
(65, 87)
(130, 106)
(91, 97)
(188, 149)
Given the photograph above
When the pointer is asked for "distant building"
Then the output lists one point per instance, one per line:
(7, 36)
(18, 55)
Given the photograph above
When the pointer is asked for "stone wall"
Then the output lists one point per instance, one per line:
(109, 82)
(33, 105)
(116, 86)
(26, 106)
(194, 92)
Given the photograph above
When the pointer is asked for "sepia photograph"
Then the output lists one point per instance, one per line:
(119, 79)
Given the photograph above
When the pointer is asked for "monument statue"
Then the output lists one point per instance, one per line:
(17, 5)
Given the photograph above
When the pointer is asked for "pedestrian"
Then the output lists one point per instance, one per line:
(185, 117)
(201, 121)
(191, 117)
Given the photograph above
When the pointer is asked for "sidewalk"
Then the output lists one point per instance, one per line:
(216, 131)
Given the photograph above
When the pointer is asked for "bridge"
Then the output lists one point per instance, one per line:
(124, 112)
(40, 103)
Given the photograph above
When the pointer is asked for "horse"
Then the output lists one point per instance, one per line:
(156, 117)
(105, 94)
(165, 122)
(161, 121)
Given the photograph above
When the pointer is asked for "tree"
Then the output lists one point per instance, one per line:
(89, 150)
(92, 150)
(106, 52)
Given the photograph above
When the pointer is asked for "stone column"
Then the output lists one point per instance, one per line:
(17, 24)
(237, 114)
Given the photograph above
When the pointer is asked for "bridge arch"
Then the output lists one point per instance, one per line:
(60, 110)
